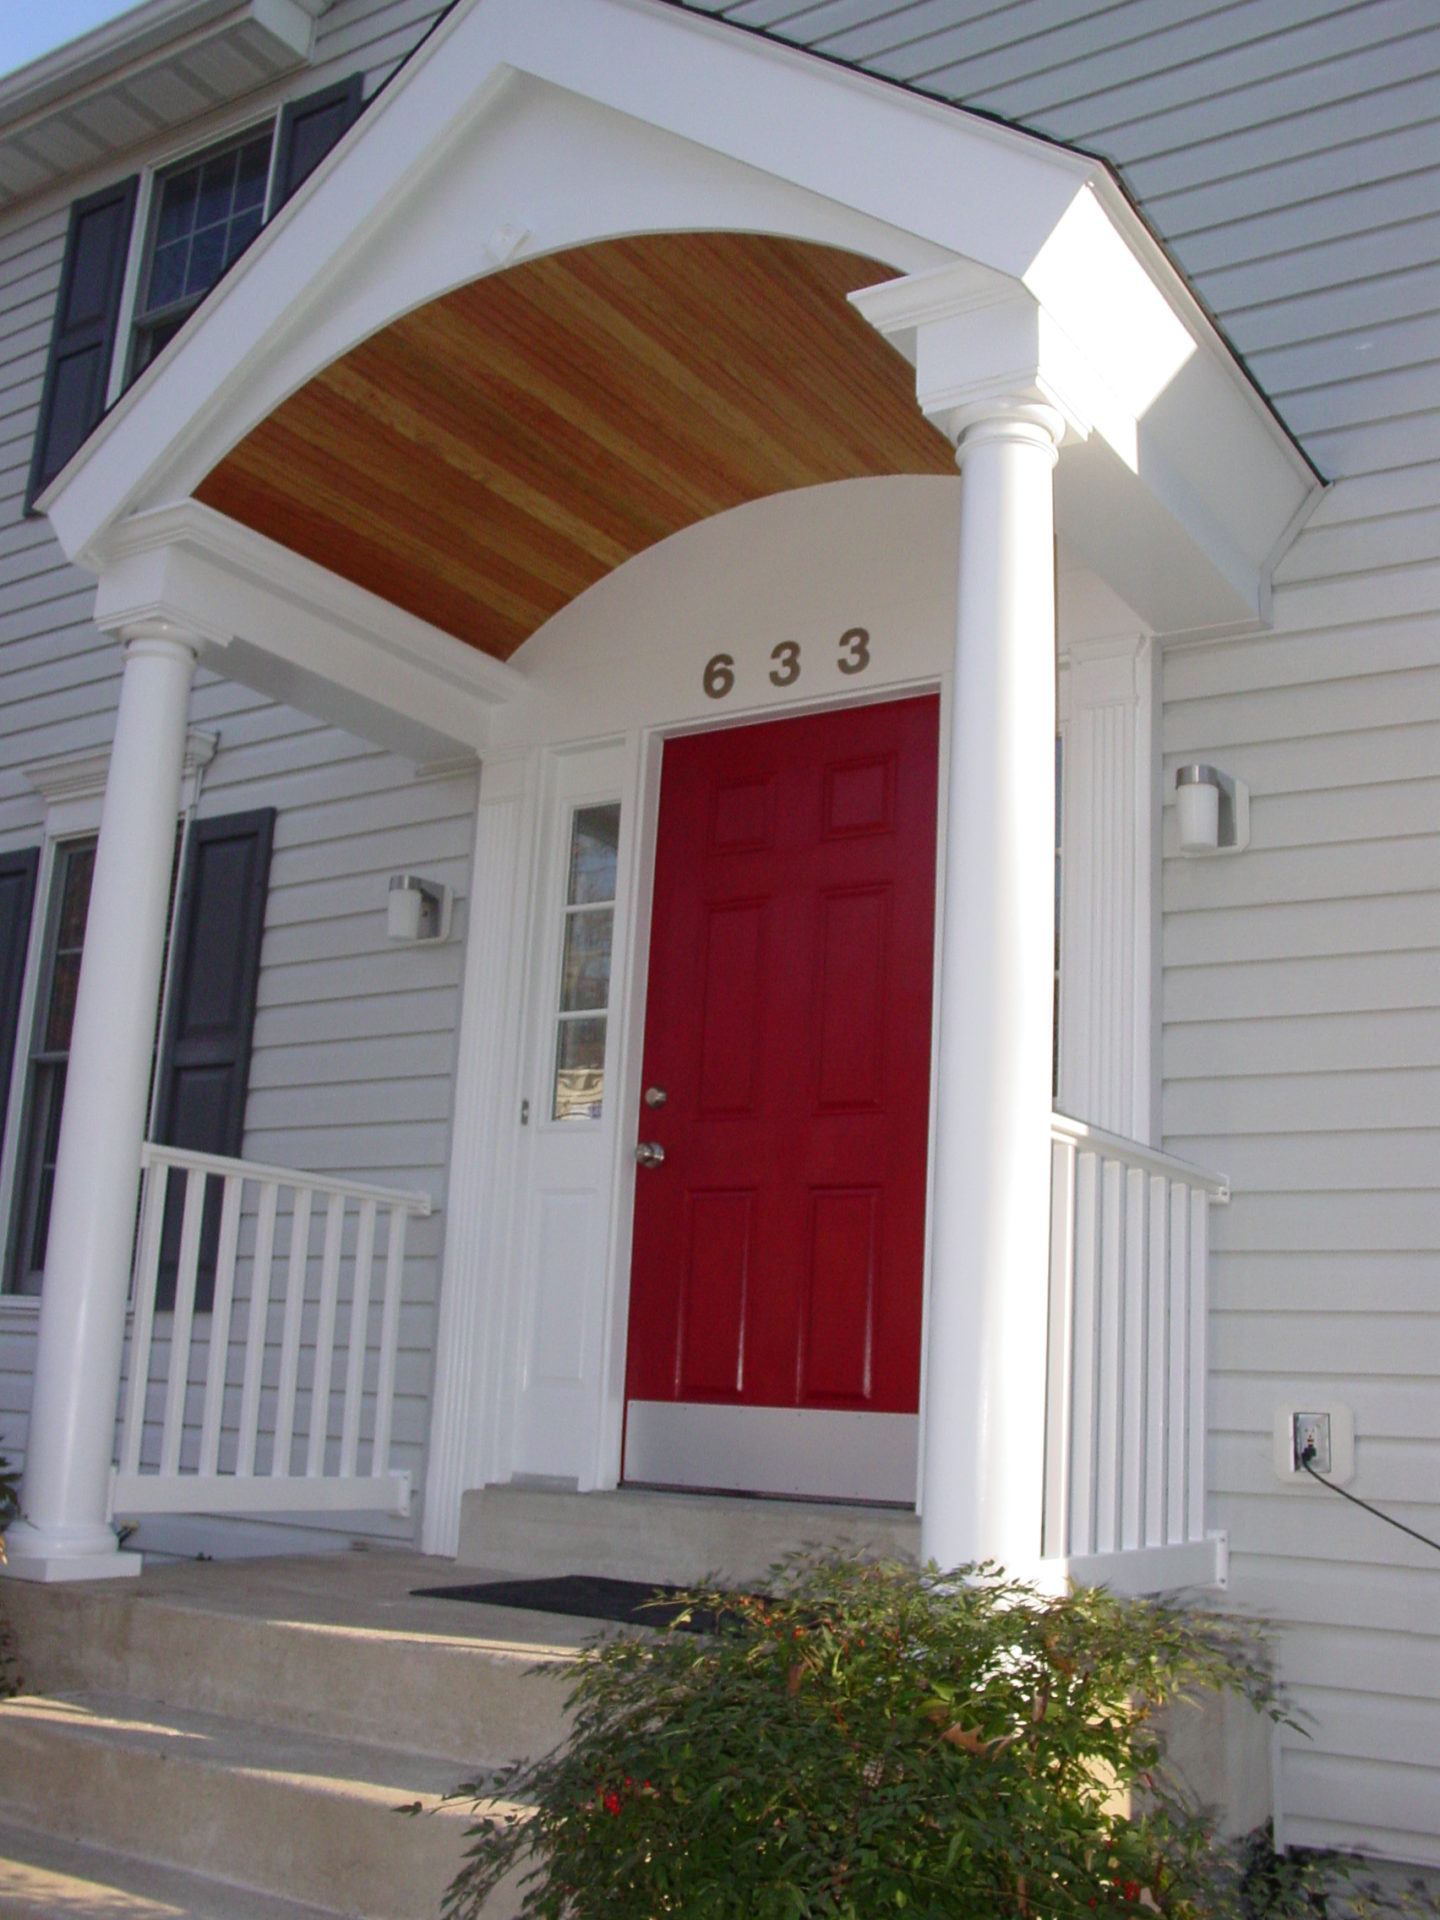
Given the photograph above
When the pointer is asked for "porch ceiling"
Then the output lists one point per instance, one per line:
(488, 457)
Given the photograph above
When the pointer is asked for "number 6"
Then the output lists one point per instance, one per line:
(719, 675)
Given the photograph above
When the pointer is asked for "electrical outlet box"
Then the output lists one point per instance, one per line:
(1310, 1438)
(1331, 1429)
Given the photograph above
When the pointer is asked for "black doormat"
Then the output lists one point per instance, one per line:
(586, 1596)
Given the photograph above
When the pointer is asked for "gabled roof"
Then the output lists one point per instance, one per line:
(524, 127)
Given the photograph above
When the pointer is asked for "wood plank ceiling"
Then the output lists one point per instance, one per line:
(488, 457)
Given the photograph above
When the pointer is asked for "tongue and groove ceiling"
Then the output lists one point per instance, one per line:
(488, 457)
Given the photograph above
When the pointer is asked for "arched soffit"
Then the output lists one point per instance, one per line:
(486, 458)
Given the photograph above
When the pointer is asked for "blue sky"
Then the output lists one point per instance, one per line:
(29, 28)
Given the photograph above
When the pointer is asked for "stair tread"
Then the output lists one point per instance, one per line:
(43, 1877)
(323, 1762)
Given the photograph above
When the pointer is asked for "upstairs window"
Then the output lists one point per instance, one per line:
(205, 213)
(196, 216)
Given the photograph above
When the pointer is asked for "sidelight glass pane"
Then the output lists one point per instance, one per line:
(594, 841)
(585, 975)
(589, 934)
(579, 1070)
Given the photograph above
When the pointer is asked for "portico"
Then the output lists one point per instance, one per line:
(470, 462)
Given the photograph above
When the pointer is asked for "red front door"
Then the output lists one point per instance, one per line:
(778, 1252)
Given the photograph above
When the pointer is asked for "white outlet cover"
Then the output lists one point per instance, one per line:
(1342, 1443)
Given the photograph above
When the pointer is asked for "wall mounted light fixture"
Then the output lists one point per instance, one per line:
(1212, 810)
(418, 910)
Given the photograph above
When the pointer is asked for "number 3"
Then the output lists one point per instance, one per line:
(857, 639)
(719, 675)
(786, 670)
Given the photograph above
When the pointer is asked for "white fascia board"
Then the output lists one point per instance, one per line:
(138, 40)
(863, 162)
(273, 620)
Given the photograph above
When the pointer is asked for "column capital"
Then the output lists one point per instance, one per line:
(158, 635)
(985, 350)
(1018, 418)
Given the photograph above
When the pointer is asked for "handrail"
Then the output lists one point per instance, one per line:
(175, 1460)
(152, 1153)
(1134, 1153)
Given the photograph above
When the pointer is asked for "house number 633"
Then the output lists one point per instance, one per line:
(852, 656)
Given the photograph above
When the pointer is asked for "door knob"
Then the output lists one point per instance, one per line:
(649, 1153)
(655, 1096)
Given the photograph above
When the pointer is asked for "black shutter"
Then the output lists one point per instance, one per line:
(82, 345)
(309, 128)
(205, 1063)
(17, 901)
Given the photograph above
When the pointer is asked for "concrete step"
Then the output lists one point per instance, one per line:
(333, 1646)
(311, 1819)
(44, 1878)
(639, 1534)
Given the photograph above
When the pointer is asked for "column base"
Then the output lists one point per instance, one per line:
(49, 1554)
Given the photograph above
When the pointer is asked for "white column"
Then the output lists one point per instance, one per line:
(65, 1532)
(985, 1366)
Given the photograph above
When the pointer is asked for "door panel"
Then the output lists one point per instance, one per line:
(779, 1246)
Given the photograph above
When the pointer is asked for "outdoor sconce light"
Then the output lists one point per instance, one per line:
(1213, 810)
(418, 909)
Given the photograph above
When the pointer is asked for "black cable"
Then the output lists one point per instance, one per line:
(1356, 1501)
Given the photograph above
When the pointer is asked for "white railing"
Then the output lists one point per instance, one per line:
(229, 1409)
(1125, 1415)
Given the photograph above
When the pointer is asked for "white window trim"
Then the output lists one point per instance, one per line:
(230, 129)
(72, 785)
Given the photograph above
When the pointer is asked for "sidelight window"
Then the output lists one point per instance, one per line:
(587, 939)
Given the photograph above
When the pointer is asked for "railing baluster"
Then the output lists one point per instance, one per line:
(1179, 1367)
(289, 1384)
(1132, 1445)
(1110, 1334)
(1195, 1399)
(325, 1338)
(1158, 1361)
(359, 1331)
(147, 1275)
(1059, 1347)
(389, 1341)
(178, 1381)
(255, 1329)
(218, 1358)
(1082, 1426)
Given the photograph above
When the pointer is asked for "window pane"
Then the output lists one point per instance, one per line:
(585, 976)
(243, 230)
(595, 838)
(217, 185)
(207, 258)
(167, 275)
(75, 900)
(253, 173)
(579, 1070)
(177, 207)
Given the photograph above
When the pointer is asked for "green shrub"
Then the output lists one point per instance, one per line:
(869, 1740)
